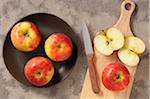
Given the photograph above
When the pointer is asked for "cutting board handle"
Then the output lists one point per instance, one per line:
(127, 8)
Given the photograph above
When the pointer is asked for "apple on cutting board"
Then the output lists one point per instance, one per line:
(58, 47)
(109, 41)
(130, 48)
(25, 36)
(39, 71)
(131, 51)
(115, 77)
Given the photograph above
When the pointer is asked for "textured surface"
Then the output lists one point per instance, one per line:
(97, 14)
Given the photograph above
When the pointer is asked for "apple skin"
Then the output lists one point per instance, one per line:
(25, 36)
(115, 77)
(58, 47)
(39, 71)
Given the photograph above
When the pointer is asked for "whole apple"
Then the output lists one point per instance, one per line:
(58, 47)
(39, 71)
(115, 77)
(25, 36)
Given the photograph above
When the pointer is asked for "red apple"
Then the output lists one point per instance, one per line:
(115, 77)
(58, 47)
(25, 36)
(39, 71)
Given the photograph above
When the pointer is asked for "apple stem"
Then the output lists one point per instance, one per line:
(38, 73)
(59, 46)
(26, 34)
(118, 76)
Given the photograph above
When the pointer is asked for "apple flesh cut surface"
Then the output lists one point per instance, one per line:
(129, 54)
(39, 71)
(115, 77)
(107, 42)
(58, 47)
(25, 36)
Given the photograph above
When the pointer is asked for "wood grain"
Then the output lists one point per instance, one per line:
(123, 24)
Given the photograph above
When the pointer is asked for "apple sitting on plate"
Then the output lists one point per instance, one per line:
(25, 36)
(129, 54)
(58, 47)
(39, 71)
(115, 77)
(109, 41)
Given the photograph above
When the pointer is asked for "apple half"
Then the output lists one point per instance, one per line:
(131, 51)
(107, 42)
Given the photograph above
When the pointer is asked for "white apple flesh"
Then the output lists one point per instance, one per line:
(110, 41)
(129, 54)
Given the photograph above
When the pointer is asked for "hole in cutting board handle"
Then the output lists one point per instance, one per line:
(128, 6)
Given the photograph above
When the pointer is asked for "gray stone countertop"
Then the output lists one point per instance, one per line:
(98, 14)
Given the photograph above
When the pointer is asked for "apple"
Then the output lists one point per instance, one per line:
(39, 71)
(25, 36)
(109, 41)
(58, 47)
(115, 77)
(131, 51)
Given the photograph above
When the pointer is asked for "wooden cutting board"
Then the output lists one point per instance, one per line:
(123, 24)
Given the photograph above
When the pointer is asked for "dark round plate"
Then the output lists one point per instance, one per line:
(47, 24)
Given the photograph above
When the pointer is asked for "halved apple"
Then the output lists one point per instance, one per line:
(133, 47)
(107, 42)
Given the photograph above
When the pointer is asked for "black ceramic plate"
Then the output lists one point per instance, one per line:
(47, 24)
